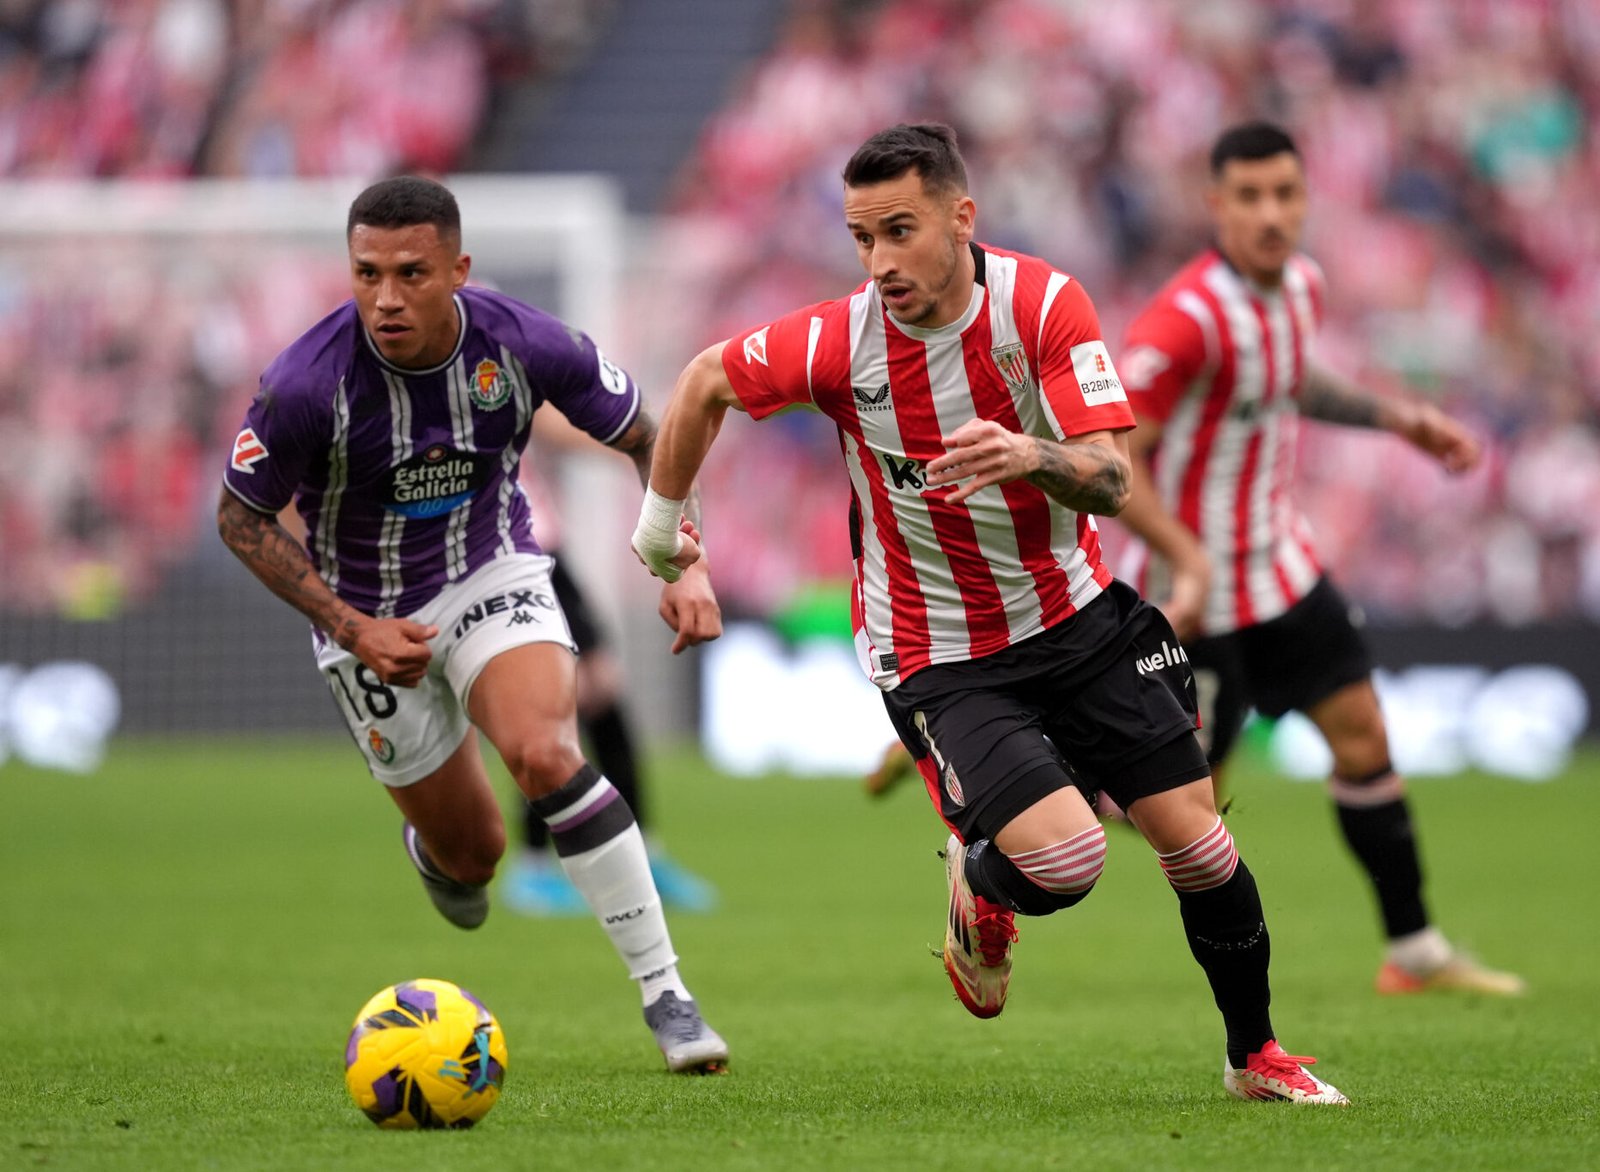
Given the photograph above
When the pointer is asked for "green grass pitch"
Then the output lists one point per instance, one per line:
(185, 936)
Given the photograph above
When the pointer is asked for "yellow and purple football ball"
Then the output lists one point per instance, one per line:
(425, 1053)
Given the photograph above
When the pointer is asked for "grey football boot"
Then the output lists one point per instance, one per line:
(688, 1044)
(466, 905)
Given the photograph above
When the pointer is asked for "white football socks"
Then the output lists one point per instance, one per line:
(615, 880)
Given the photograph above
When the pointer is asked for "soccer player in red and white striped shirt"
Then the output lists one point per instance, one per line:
(1219, 368)
(983, 426)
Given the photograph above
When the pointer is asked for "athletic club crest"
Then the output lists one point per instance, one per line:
(1013, 363)
(491, 387)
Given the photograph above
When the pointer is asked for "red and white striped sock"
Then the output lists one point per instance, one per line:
(1070, 867)
(1209, 861)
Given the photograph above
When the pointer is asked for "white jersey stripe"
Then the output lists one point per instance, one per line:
(875, 559)
(510, 488)
(460, 406)
(324, 538)
(813, 335)
(1052, 288)
(394, 524)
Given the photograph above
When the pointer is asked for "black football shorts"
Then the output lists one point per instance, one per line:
(1103, 701)
(1287, 664)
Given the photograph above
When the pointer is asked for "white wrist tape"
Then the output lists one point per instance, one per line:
(657, 539)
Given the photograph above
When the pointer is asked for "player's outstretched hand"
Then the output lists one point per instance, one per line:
(981, 452)
(395, 649)
(689, 606)
(1441, 437)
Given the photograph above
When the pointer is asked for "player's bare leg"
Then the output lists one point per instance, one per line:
(454, 834)
(1045, 859)
(1227, 933)
(1370, 800)
(524, 700)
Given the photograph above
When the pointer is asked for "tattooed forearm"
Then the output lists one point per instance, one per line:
(1088, 478)
(639, 442)
(280, 561)
(1333, 400)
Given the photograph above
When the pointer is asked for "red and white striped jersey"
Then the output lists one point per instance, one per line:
(937, 582)
(1220, 362)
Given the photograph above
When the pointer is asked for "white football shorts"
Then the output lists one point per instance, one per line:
(407, 733)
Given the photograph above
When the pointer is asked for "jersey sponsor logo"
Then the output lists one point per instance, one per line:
(612, 377)
(1012, 361)
(382, 747)
(491, 386)
(436, 481)
(248, 451)
(1168, 656)
(755, 346)
(516, 603)
(906, 474)
(877, 400)
(1142, 365)
(1097, 378)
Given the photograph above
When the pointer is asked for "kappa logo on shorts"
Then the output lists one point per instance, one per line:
(382, 747)
(1168, 656)
(520, 604)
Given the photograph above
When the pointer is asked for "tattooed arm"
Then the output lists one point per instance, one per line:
(396, 649)
(1088, 473)
(1332, 399)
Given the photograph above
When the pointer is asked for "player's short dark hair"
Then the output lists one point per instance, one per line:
(928, 148)
(1250, 141)
(405, 201)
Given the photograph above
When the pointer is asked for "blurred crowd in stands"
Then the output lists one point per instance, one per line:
(265, 87)
(125, 362)
(1453, 148)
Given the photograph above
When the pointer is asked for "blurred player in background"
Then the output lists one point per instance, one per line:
(981, 424)
(395, 425)
(1219, 366)
(536, 884)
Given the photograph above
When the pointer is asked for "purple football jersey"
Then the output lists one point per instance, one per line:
(407, 479)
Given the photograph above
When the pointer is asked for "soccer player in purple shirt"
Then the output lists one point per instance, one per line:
(395, 426)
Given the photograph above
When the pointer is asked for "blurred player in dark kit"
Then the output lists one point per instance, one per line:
(395, 426)
(982, 426)
(1219, 368)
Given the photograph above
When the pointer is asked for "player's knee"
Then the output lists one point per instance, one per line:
(473, 859)
(1361, 750)
(542, 764)
(1065, 872)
